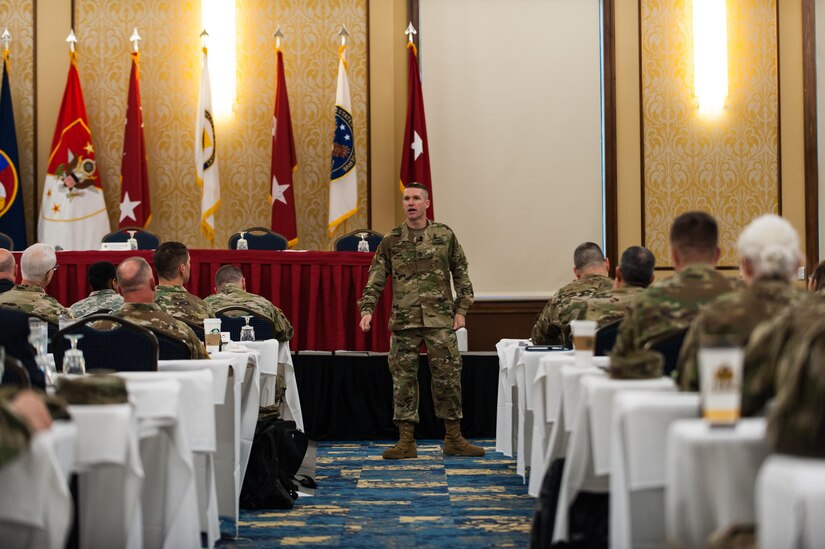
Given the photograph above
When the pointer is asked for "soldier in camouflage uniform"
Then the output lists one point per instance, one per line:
(173, 266)
(674, 302)
(134, 276)
(21, 415)
(37, 266)
(552, 326)
(421, 256)
(769, 258)
(633, 274)
(230, 290)
(104, 298)
(8, 270)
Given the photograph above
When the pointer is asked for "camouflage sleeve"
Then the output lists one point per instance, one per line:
(14, 434)
(762, 355)
(461, 279)
(545, 331)
(196, 345)
(687, 367)
(626, 338)
(380, 268)
(210, 311)
(283, 328)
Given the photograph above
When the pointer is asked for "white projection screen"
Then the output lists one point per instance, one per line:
(512, 93)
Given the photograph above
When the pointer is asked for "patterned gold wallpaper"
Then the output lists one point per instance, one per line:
(18, 16)
(728, 166)
(170, 77)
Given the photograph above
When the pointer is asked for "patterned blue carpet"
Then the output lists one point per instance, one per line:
(363, 500)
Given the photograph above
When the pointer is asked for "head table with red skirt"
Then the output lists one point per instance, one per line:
(318, 291)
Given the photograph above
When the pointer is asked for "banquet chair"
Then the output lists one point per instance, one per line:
(349, 242)
(669, 344)
(606, 337)
(172, 349)
(263, 326)
(260, 238)
(15, 373)
(110, 343)
(6, 242)
(145, 239)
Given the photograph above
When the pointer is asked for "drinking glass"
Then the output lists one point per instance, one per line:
(73, 361)
(242, 243)
(247, 331)
(363, 245)
(133, 243)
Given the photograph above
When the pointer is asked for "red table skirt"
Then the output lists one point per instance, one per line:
(318, 291)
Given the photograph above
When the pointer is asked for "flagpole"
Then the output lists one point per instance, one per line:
(135, 39)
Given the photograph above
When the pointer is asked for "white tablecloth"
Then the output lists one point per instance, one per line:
(110, 476)
(35, 503)
(276, 359)
(790, 502)
(637, 464)
(710, 476)
(508, 351)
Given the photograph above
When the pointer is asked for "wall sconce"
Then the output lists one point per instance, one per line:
(218, 18)
(710, 54)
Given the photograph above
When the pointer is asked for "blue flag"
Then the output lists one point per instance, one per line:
(12, 217)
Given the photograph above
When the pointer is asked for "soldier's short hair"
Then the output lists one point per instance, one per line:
(100, 275)
(6, 262)
(168, 257)
(228, 274)
(770, 244)
(694, 232)
(818, 277)
(416, 185)
(37, 261)
(586, 255)
(637, 264)
(131, 280)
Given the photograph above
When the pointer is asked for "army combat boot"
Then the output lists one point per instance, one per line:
(406, 443)
(455, 444)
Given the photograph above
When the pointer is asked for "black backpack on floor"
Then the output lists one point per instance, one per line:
(278, 450)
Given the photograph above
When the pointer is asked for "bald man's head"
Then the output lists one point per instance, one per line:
(134, 275)
(7, 265)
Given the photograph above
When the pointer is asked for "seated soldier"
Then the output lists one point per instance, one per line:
(8, 270)
(37, 266)
(21, 415)
(173, 266)
(590, 268)
(633, 274)
(769, 257)
(104, 297)
(672, 303)
(137, 286)
(230, 290)
(816, 282)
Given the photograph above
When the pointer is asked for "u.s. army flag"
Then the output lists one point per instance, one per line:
(206, 156)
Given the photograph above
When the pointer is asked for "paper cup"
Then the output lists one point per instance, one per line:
(212, 334)
(584, 340)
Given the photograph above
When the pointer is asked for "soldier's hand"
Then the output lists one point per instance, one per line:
(366, 320)
(31, 408)
(458, 322)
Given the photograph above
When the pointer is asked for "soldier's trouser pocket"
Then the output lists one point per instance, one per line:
(403, 363)
(445, 366)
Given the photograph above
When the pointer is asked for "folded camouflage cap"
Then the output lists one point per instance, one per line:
(642, 364)
(93, 389)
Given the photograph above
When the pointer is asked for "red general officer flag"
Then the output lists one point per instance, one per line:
(135, 208)
(284, 162)
(73, 212)
(415, 155)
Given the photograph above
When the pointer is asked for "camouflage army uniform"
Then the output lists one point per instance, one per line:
(181, 304)
(734, 315)
(232, 295)
(422, 310)
(771, 346)
(667, 305)
(98, 301)
(606, 306)
(14, 434)
(32, 299)
(796, 424)
(150, 315)
(553, 324)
